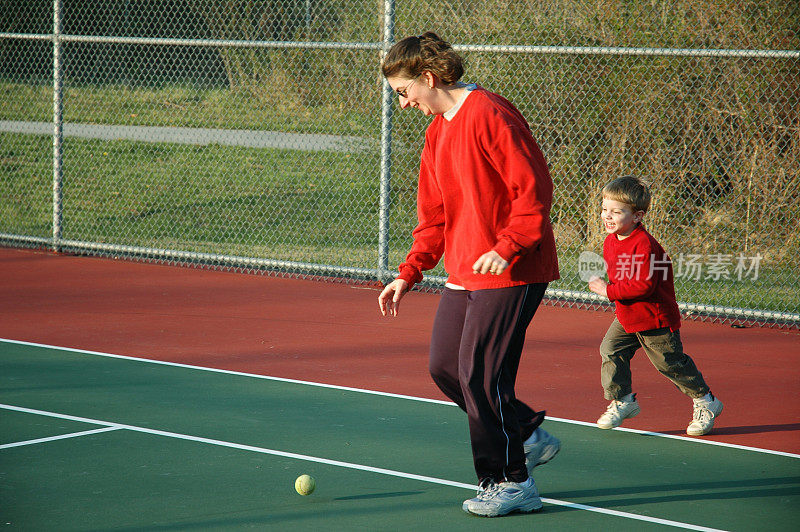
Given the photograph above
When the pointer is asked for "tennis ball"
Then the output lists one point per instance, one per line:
(305, 484)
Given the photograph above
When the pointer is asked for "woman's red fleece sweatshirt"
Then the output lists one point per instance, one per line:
(483, 185)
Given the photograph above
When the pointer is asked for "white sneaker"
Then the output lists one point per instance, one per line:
(618, 411)
(494, 500)
(540, 448)
(482, 486)
(703, 416)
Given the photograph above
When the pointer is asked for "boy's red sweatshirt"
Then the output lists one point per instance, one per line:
(641, 282)
(483, 185)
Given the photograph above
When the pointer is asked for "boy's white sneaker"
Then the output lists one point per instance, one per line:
(703, 416)
(618, 411)
(496, 499)
(540, 448)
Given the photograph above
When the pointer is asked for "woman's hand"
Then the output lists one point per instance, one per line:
(490, 262)
(389, 300)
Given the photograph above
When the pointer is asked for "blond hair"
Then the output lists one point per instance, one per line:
(630, 190)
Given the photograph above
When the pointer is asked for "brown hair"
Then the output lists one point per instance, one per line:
(427, 52)
(630, 190)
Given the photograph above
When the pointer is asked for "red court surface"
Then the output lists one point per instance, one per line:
(333, 333)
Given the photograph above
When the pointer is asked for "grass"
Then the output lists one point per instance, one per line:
(277, 204)
(185, 106)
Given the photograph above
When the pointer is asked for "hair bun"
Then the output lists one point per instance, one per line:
(429, 36)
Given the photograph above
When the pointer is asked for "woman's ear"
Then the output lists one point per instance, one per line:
(430, 79)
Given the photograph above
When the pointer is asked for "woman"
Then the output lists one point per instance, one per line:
(484, 203)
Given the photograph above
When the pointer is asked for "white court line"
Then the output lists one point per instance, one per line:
(676, 437)
(59, 437)
(387, 394)
(349, 465)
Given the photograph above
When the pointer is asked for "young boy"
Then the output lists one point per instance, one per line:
(641, 285)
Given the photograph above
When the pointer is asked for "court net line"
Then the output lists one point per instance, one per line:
(389, 394)
(109, 425)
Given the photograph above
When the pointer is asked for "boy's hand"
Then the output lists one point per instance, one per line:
(490, 262)
(598, 286)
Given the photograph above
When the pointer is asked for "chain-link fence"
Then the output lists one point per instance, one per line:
(259, 135)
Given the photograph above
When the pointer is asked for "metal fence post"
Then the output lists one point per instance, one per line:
(384, 274)
(58, 125)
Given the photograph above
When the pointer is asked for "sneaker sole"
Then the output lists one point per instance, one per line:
(528, 509)
(554, 445)
(544, 460)
(700, 432)
(612, 426)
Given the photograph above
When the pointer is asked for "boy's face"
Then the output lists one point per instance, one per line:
(619, 218)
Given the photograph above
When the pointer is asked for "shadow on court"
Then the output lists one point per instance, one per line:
(310, 515)
(379, 495)
(744, 429)
(717, 490)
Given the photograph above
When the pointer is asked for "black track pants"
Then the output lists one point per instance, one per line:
(475, 352)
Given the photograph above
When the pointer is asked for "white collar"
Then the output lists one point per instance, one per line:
(451, 113)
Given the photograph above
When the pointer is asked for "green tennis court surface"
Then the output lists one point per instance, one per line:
(89, 442)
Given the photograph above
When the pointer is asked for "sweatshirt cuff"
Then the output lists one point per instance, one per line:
(611, 292)
(505, 249)
(411, 275)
